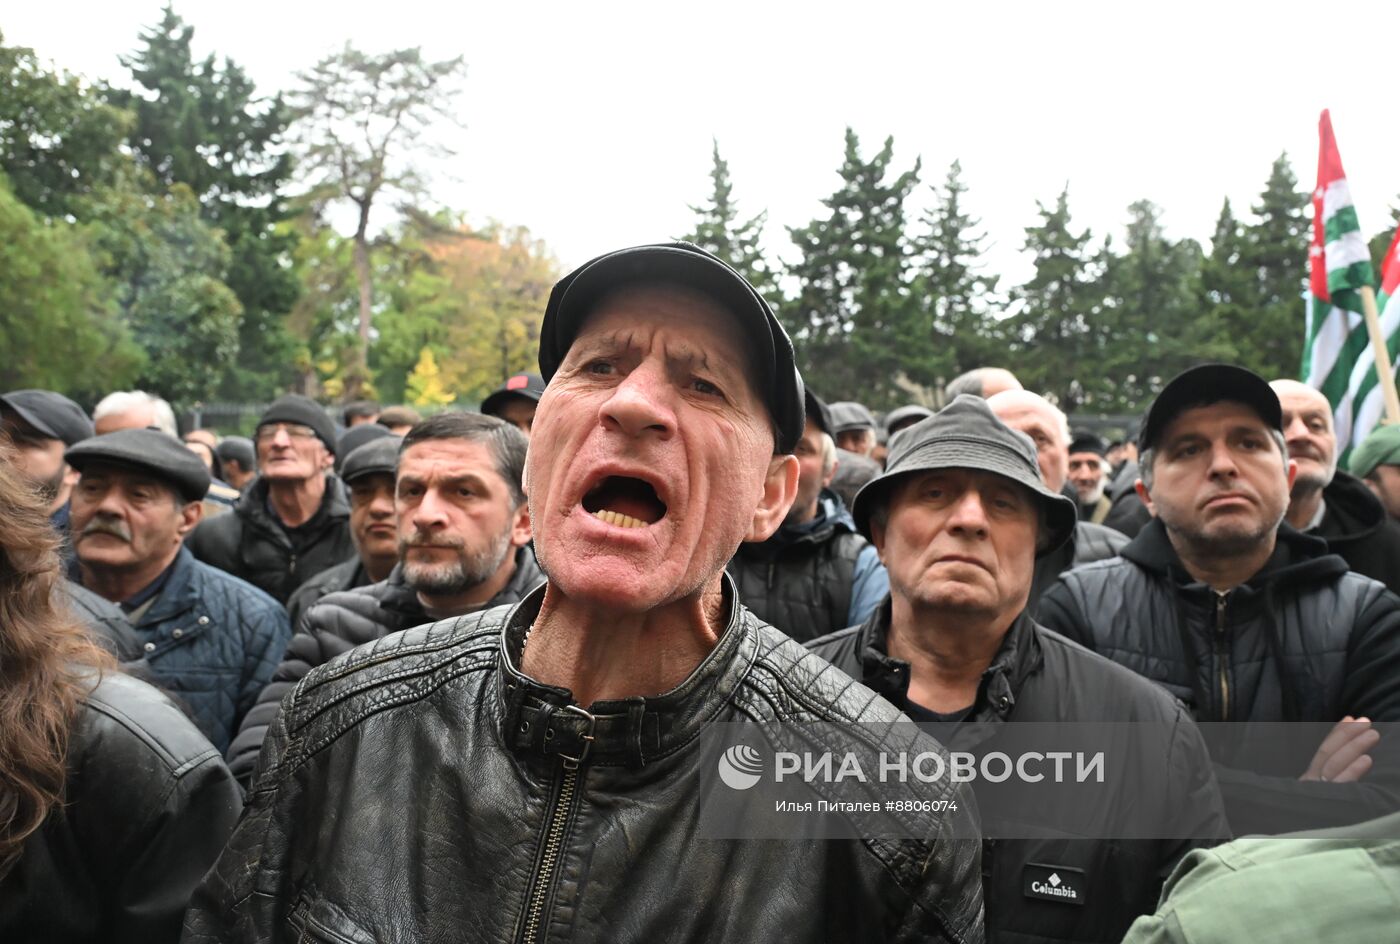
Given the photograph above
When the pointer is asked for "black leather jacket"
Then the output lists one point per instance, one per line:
(418, 789)
(147, 808)
(1040, 677)
(252, 544)
(338, 623)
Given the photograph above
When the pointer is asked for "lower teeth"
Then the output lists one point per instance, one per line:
(618, 519)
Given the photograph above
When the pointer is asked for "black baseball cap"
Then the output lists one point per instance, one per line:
(1204, 385)
(575, 296)
(158, 454)
(52, 414)
(966, 434)
(818, 412)
(529, 386)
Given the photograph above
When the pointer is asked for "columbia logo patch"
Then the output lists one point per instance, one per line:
(1057, 883)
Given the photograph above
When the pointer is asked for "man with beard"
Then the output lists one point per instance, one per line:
(463, 546)
(816, 575)
(207, 636)
(41, 424)
(1239, 615)
(1328, 502)
(539, 772)
(1088, 473)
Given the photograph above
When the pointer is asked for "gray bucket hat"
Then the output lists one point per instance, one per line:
(966, 434)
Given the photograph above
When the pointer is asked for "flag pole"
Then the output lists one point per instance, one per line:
(1384, 376)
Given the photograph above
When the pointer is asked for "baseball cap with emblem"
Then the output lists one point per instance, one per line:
(529, 386)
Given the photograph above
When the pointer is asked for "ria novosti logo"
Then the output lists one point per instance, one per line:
(740, 767)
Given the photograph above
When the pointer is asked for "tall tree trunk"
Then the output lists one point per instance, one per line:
(358, 374)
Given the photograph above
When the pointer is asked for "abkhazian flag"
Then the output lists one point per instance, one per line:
(1337, 358)
(1370, 400)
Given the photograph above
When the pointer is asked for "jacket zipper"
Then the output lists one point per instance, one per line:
(549, 858)
(557, 824)
(1222, 655)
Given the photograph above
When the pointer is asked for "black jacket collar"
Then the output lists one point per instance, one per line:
(1296, 556)
(543, 720)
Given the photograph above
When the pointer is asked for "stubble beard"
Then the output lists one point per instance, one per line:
(469, 570)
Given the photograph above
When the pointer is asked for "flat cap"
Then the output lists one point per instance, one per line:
(966, 434)
(847, 415)
(576, 294)
(158, 454)
(355, 437)
(1382, 447)
(52, 414)
(377, 457)
(905, 416)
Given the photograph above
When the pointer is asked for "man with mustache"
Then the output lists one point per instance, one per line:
(41, 424)
(1328, 502)
(208, 637)
(463, 543)
(538, 772)
(1236, 613)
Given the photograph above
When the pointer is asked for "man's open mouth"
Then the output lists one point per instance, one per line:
(625, 502)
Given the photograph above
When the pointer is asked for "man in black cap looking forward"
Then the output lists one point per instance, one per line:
(1240, 616)
(816, 574)
(209, 637)
(959, 516)
(548, 751)
(293, 522)
(1088, 473)
(41, 424)
(516, 401)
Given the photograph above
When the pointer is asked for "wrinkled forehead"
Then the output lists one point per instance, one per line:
(694, 325)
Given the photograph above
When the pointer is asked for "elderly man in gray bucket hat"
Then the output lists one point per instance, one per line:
(959, 517)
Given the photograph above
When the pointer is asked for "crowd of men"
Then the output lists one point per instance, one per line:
(457, 667)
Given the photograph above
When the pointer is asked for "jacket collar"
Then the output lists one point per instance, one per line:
(831, 518)
(253, 505)
(1016, 659)
(1296, 556)
(543, 720)
(179, 595)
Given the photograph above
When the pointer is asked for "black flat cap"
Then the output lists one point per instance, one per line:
(905, 416)
(575, 295)
(529, 386)
(377, 457)
(158, 454)
(1085, 441)
(848, 415)
(295, 408)
(818, 412)
(1204, 385)
(966, 434)
(52, 414)
(355, 437)
(239, 449)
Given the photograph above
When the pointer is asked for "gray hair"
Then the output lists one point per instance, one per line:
(828, 454)
(1149, 455)
(162, 416)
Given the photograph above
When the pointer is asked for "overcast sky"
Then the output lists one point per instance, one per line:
(591, 123)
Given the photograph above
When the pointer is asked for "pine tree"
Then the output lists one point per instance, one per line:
(854, 320)
(958, 299)
(1055, 331)
(425, 386)
(719, 231)
(201, 124)
(1276, 255)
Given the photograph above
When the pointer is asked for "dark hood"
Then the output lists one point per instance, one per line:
(1297, 557)
(1353, 512)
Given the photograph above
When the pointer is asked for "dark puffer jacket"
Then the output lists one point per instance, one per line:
(1357, 529)
(253, 545)
(1302, 640)
(213, 641)
(1039, 677)
(346, 576)
(814, 578)
(1090, 542)
(338, 623)
(147, 809)
(472, 802)
(1127, 515)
